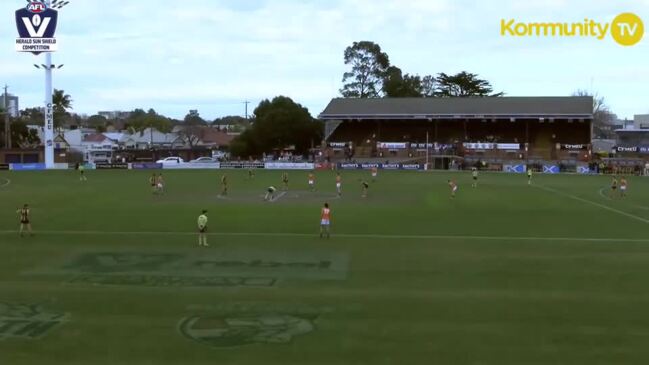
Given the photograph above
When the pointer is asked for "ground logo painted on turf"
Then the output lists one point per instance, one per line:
(218, 268)
(27, 321)
(246, 325)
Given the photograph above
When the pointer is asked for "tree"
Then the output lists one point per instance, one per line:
(32, 116)
(61, 102)
(193, 128)
(428, 86)
(603, 118)
(397, 85)
(368, 67)
(194, 118)
(234, 123)
(98, 122)
(140, 120)
(463, 84)
(278, 124)
(21, 136)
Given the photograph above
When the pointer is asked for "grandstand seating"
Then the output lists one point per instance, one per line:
(543, 137)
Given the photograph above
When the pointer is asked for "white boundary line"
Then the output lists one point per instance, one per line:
(601, 193)
(342, 235)
(7, 182)
(574, 197)
(278, 197)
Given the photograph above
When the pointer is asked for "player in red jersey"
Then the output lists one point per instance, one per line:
(325, 221)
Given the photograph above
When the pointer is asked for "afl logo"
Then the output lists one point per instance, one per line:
(36, 7)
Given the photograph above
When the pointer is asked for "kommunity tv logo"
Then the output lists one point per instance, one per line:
(626, 29)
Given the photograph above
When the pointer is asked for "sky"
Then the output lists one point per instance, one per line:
(212, 55)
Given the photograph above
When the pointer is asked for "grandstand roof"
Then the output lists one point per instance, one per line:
(460, 107)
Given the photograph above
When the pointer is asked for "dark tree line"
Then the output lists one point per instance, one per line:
(278, 124)
(372, 76)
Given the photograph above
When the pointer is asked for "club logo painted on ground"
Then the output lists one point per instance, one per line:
(217, 268)
(27, 321)
(245, 329)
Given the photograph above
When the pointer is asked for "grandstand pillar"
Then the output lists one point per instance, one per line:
(378, 133)
(435, 131)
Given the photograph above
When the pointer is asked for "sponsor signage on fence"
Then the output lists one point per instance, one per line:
(242, 165)
(381, 166)
(411, 166)
(193, 166)
(4, 166)
(516, 169)
(422, 146)
(27, 166)
(348, 166)
(111, 166)
(392, 145)
(574, 146)
(550, 169)
(390, 166)
(583, 170)
(339, 145)
(626, 149)
(323, 166)
(643, 149)
(491, 146)
(289, 166)
(146, 166)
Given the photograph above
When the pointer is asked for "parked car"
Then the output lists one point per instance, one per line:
(219, 155)
(171, 160)
(204, 160)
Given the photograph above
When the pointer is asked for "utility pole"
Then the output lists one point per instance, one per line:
(7, 126)
(246, 102)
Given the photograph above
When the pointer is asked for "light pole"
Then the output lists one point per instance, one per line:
(6, 114)
(48, 132)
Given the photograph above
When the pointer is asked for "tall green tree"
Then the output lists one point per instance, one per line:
(194, 118)
(98, 122)
(140, 120)
(278, 124)
(368, 67)
(428, 86)
(62, 102)
(32, 116)
(463, 84)
(21, 136)
(397, 85)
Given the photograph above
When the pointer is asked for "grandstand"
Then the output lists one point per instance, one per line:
(489, 129)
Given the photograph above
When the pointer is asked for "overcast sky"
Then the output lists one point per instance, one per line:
(212, 55)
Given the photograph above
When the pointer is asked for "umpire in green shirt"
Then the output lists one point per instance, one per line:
(202, 229)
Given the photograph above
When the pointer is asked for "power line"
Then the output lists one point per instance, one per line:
(246, 102)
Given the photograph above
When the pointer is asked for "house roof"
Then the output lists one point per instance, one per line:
(459, 107)
(97, 137)
(214, 136)
(154, 136)
(117, 137)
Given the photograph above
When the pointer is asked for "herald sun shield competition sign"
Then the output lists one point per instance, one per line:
(36, 25)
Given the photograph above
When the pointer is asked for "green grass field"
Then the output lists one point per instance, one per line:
(554, 273)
